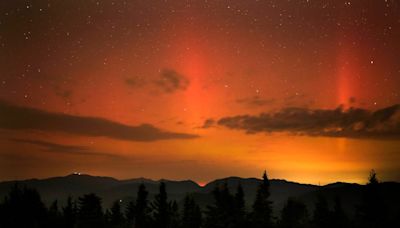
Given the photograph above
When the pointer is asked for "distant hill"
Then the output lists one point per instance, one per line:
(111, 189)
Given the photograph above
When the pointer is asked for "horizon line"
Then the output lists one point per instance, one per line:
(199, 183)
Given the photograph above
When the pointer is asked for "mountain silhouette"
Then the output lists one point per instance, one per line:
(111, 189)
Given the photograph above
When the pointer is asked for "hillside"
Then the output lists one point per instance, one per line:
(111, 189)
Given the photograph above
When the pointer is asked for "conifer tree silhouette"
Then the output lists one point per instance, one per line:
(130, 214)
(192, 217)
(372, 211)
(90, 214)
(322, 215)
(240, 208)
(117, 219)
(160, 208)
(175, 220)
(141, 209)
(54, 216)
(221, 214)
(23, 208)
(294, 215)
(70, 212)
(339, 218)
(261, 216)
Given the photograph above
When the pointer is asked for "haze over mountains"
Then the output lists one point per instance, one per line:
(111, 189)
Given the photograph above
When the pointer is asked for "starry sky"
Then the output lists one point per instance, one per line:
(200, 89)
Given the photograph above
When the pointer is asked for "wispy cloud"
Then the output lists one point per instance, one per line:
(61, 148)
(171, 81)
(255, 101)
(135, 82)
(24, 118)
(208, 123)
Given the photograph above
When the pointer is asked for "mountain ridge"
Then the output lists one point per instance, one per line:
(111, 189)
(149, 180)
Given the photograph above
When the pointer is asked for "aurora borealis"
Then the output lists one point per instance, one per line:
(307, 89)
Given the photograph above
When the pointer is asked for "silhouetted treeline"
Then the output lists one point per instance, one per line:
(23, 207)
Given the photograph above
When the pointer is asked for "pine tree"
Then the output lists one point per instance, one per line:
(372, 211)
(90, 214)
(239, 200)
(70, 213)
(221, 214)
(116, 217)
(322, 215)
(192, 217)
(107, 218)
(160, 208)
(339, 218)
(175, 221)
(240, 210)
(130, 214)
(2, 214)
(54, 215)
(262, 208)
(372, 180)
(142, 210)
(294, 215)
(23, 207)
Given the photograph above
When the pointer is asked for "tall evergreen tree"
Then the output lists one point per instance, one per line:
(23, 207)
(192, 217)
(240, 208)
(142, 210)
(174, 218)
(372, 211)
(373, 179)
(294, 215)
(117, 219)
(221, 214)
(54, 216)
(239, 200)
(2, 214)
(130, 214)
(90, 214)
(262, 208)
(107, 218)
(54, 208)
(70, 212)
(160, 208)
(339, 218)
(322, 215)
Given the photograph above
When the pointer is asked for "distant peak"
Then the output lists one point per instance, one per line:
(75, 174)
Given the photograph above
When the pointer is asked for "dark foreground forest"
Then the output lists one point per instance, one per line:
(23, 207)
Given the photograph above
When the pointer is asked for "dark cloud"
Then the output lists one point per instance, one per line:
(52, 146)
(60, 148)
(255, 101)
(208, 123)
(24, 118)
(135, 81)
(352, 123)
(171, 81)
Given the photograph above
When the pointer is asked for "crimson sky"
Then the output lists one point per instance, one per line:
(307, 89)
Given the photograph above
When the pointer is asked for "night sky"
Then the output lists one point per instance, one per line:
(307, 89)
